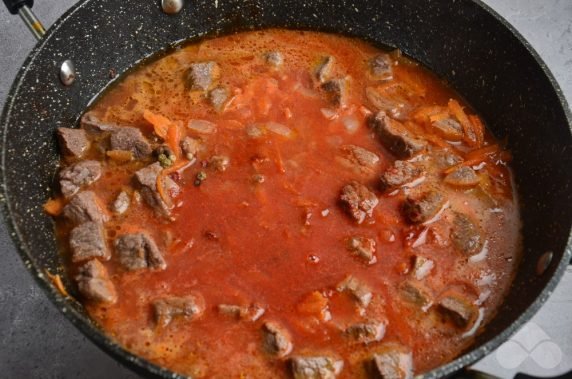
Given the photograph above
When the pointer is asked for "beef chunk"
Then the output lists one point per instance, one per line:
(363, 248)
(393, 361)
(458, 309)
(274, 58)
(121, 203)
(462, 177)
(78, 175)
(130, 139)
(317, 367)
(395, 137)
(358, 290)
(138, 251)
(249, 313)
(73, 142)
(146, 178)
(188, 307)
(324, 69)
(191, 147)
(360, 156)
(423, 208)
(416, 293)
(397, 109)
(201, 75)
(380, 67)
(358, 201)
(93, 125)
(449, 129)
(87, 241)
(219, 162)
(335, 91)
(85, 207)
(94, 284)
(466, 235)
(277, 340)
(400, 174)
(366, 332)
(218, 97)
(421, 267)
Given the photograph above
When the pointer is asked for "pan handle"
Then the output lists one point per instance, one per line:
(24, 9)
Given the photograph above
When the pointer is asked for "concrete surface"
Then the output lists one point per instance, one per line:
(36, 341)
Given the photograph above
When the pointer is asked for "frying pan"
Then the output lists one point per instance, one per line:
(463, 41)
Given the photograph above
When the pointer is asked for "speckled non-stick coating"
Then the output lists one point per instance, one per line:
(462, 41)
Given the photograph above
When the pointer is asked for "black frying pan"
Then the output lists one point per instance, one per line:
(463, 41)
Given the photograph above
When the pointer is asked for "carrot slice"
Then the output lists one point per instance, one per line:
(173, 139)
(54, 207)
(57, 281)
(160, 123)
(457, 111)
(476, 157)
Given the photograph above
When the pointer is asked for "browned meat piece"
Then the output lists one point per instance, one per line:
(277, 340)
(421, 267)
(357, 289)
(78, 175)
(317, 367)
(395, 137)
(166, 309)
(358, 201)
(138, 251)
(393, 361)
(424, 207)
(87, 241)
(130, 139)
(91, 124)
(360, 156)
(191, 147)
(335, 91)
(363, 248)
(324, 69)
(458, 309)
(146, 178)
(121, 203)
(85, 207)
(219, 162)
(396, 108)
(73, 142)
(380, 67)
(94, 284)
(462, 177)
(366, 332)
(416, 293)
(274, 58)
(250, 313)
(449, 129)
(400, 174)
(218, 97)
(201, 76)
(467, 236)
(445, 158)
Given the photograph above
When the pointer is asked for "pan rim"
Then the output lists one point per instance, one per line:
(96, 335)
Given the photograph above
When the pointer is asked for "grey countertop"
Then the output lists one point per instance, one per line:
(37, 341)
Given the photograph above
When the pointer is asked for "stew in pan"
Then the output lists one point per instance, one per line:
(286, 204)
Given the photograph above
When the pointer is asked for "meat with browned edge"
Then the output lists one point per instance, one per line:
(316, 367)
(130, 139)
(138, 251)
(424, 207)
(189, 307)
(380, 67)
(335, 91)
(83, 207)
(391, 361)
(363, 248)
(73, 142)
(466, 234)
(218, 97)
(458, 309)
(87, 241)
(366, 332)
(274, 58)
(146, 178)
(359, 156)
(79, 175)
(324, 68)
(277, 340)
(359, 291)
(93, 125)
(462, 177)
(395, 137)
(399, 174)
(249, 313)
(358, 201)
(94, 284)
(201, 75)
